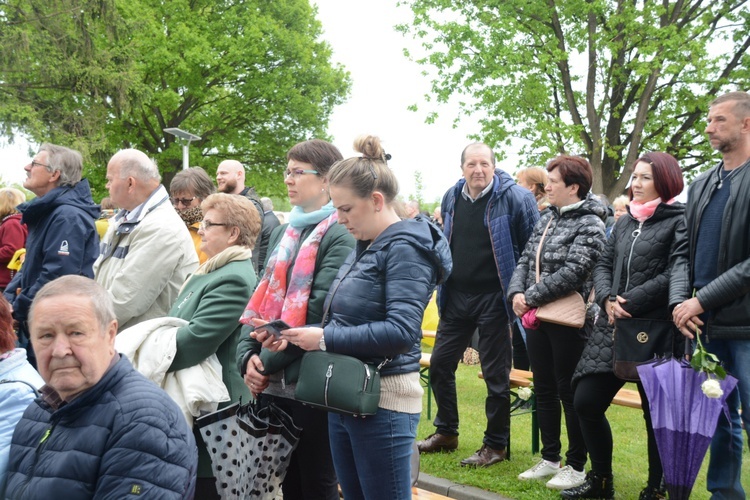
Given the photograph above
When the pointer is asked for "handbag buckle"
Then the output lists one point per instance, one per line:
(642, 337)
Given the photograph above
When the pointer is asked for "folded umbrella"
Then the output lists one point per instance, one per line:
(683, 417)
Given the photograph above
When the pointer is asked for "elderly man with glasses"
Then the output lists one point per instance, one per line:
(147, 253)
(62, 232)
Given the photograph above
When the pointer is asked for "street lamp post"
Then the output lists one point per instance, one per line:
(188, 138)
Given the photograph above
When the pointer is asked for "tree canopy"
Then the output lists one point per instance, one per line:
(607, 79)
(251, 77)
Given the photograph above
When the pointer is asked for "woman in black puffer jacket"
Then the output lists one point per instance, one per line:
(642, 241)
(571, 247)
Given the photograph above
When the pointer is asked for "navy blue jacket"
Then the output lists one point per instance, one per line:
(376, 303)
(510, 218)
(124, 437)
(62, 240)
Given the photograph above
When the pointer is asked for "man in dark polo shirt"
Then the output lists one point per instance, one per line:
(487, 219)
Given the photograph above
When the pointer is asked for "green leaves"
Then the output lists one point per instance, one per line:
(705, 361)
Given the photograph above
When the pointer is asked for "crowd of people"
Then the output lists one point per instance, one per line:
(351, 273)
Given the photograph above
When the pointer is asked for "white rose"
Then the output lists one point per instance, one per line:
(524, 393)
(711, 388)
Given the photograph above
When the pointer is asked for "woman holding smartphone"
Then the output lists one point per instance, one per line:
(302, 260)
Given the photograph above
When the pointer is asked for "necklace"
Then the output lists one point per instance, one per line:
(729, 175)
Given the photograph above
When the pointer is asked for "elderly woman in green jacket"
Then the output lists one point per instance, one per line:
(302, 261)
(213, 298)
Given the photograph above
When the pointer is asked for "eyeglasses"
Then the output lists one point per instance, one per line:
(35, 163)
(299, 172)
(207, 224)
(184, 201)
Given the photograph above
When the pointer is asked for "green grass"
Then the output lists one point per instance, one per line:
(629, 465)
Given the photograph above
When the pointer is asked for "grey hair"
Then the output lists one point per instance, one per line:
(68, 162)
(134, 163)
(79, 286)
(266, 203)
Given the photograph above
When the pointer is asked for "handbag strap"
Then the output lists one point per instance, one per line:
(539, 248)
(616, 278)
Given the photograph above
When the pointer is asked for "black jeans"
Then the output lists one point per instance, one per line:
(464, 313)
(593, 395)
(310, 474)
(554, 351)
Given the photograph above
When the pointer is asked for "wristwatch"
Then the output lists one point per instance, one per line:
(322, 343)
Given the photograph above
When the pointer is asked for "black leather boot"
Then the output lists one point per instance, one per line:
(596, 486)
(651, 493)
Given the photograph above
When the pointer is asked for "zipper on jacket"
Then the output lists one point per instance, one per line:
(329, 374)
(636, 233)
(185, 300)
(37, 452)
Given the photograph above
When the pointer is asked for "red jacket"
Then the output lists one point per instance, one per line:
(12, 237)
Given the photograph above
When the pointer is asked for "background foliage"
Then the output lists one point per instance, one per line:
(251, 77)
(608, 79)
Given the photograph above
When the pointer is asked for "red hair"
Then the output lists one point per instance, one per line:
(7, 334)
(666, 173)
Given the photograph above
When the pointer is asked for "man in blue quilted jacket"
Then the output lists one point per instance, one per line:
(487, 220)
(100, 429)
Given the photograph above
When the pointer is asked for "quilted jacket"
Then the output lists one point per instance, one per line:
(571, 248)
(510, 218)
(377, 300)
(122, 437)
(644, 279)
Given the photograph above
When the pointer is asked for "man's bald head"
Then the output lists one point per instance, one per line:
(230, 177)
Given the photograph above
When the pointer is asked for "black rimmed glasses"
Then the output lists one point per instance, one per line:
(298, 172)
(207, 224)
(35, 163)
(184, 201)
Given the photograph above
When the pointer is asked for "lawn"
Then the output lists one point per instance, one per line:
(629, 467)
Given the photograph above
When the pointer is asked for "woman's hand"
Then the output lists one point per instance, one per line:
(520, 307)
(615, 310)
(267, 339)
(307, 338)
(254, 380)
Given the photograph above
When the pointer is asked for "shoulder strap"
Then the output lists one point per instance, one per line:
(5, 381)
(616, 277)
(539, 248)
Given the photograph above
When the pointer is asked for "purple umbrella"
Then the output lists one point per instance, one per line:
(683, 417)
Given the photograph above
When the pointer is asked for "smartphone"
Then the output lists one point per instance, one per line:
(273, 327)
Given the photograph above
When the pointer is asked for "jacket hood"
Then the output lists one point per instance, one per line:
(590, 206)
(422, 234)
(78, 196)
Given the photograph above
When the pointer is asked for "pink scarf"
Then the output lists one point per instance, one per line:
(273, 299)
(642, 211)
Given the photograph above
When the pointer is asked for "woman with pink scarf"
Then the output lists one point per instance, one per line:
(302, 260)
(641, 242)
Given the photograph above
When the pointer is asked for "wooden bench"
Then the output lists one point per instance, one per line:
(426, 495)
(628, 398)
(424, 371)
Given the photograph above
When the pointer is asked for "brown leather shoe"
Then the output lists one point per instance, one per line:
(437, 442)
(484, 457)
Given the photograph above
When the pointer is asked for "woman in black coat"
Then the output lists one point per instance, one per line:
(571, 246)
(642, 241)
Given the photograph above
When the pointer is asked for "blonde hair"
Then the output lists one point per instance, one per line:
(10, 198)
(621, 201)
(367, 173)
(239, 212)
(537, 177)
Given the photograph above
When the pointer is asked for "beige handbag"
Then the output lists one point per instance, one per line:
(569, 310)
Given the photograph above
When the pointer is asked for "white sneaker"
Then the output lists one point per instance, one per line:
(568, 477)
(544, 468)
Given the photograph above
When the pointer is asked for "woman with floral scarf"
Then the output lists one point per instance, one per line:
(302, 260)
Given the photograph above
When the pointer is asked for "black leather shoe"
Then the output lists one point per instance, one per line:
(598, 486)
(484, 457)
(437, 442)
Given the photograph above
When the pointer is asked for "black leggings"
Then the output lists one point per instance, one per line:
(593, 395)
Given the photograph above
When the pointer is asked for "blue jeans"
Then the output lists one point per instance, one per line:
(725, 463)
(372, 455)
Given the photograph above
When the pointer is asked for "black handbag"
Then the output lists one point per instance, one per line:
(637, 340)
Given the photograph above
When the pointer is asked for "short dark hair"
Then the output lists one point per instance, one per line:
(317, 152)
(194, 180)
(573, 170)
(741, 100)
(666, 172)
